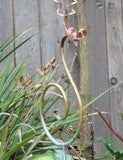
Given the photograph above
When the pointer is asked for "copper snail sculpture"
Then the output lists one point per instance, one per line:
(72, 34)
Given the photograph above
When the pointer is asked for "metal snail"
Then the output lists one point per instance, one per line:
(72, 34)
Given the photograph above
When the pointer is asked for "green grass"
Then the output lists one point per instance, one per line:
(20, 127)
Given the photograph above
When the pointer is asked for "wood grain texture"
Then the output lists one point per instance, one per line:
(27, 18)
(84, 72)
(54, 31)
(115, 62)
(98, 68)
(6, 27)
(51, 39)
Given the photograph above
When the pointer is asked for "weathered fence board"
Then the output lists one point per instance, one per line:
(6, 26)
(52, 35)
(99, 68)
(27, 19)
(53, 32)
(105, 20)
(115, 63)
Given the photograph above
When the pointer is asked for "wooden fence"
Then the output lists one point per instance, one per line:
(105, 43)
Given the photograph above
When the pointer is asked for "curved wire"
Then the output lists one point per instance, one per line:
(74, 87)
(42, 117)
(72, 34)
(72, 10)
(66, 102)
(70, 31)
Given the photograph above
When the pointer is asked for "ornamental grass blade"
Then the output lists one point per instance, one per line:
(17, 69)
(3, 143)
(15, 148)
(21, 73)
(13, 50)
(7, 43)
(5, 72)
(100, 95)
(20, 108)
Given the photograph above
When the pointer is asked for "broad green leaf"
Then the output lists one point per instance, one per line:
(120, 151)
(52, 155)
(110, 146)
(119, 154)
(107, 155)
(44, 156)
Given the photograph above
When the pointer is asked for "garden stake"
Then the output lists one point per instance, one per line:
(71, 33)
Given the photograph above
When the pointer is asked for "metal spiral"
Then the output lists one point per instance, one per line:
(72, 34)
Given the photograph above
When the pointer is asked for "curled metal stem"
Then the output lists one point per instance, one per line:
(70, 31)
(72, 10)
(72, 34)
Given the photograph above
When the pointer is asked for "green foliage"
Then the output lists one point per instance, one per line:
(20, 127)
(112, 151)
(19, 102)
(19, 106)
(119, 154)
(51, 155)
(110, 146)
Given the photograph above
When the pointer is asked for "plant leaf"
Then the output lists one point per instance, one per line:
(16, 147)
(6, 44)
(12, 51)
(100, 95)
(110, 146)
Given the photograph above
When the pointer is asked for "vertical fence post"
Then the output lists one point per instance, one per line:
(84, 70)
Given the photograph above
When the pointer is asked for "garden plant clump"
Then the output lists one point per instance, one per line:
(19, 104)
(21, 133)
(22, 136)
